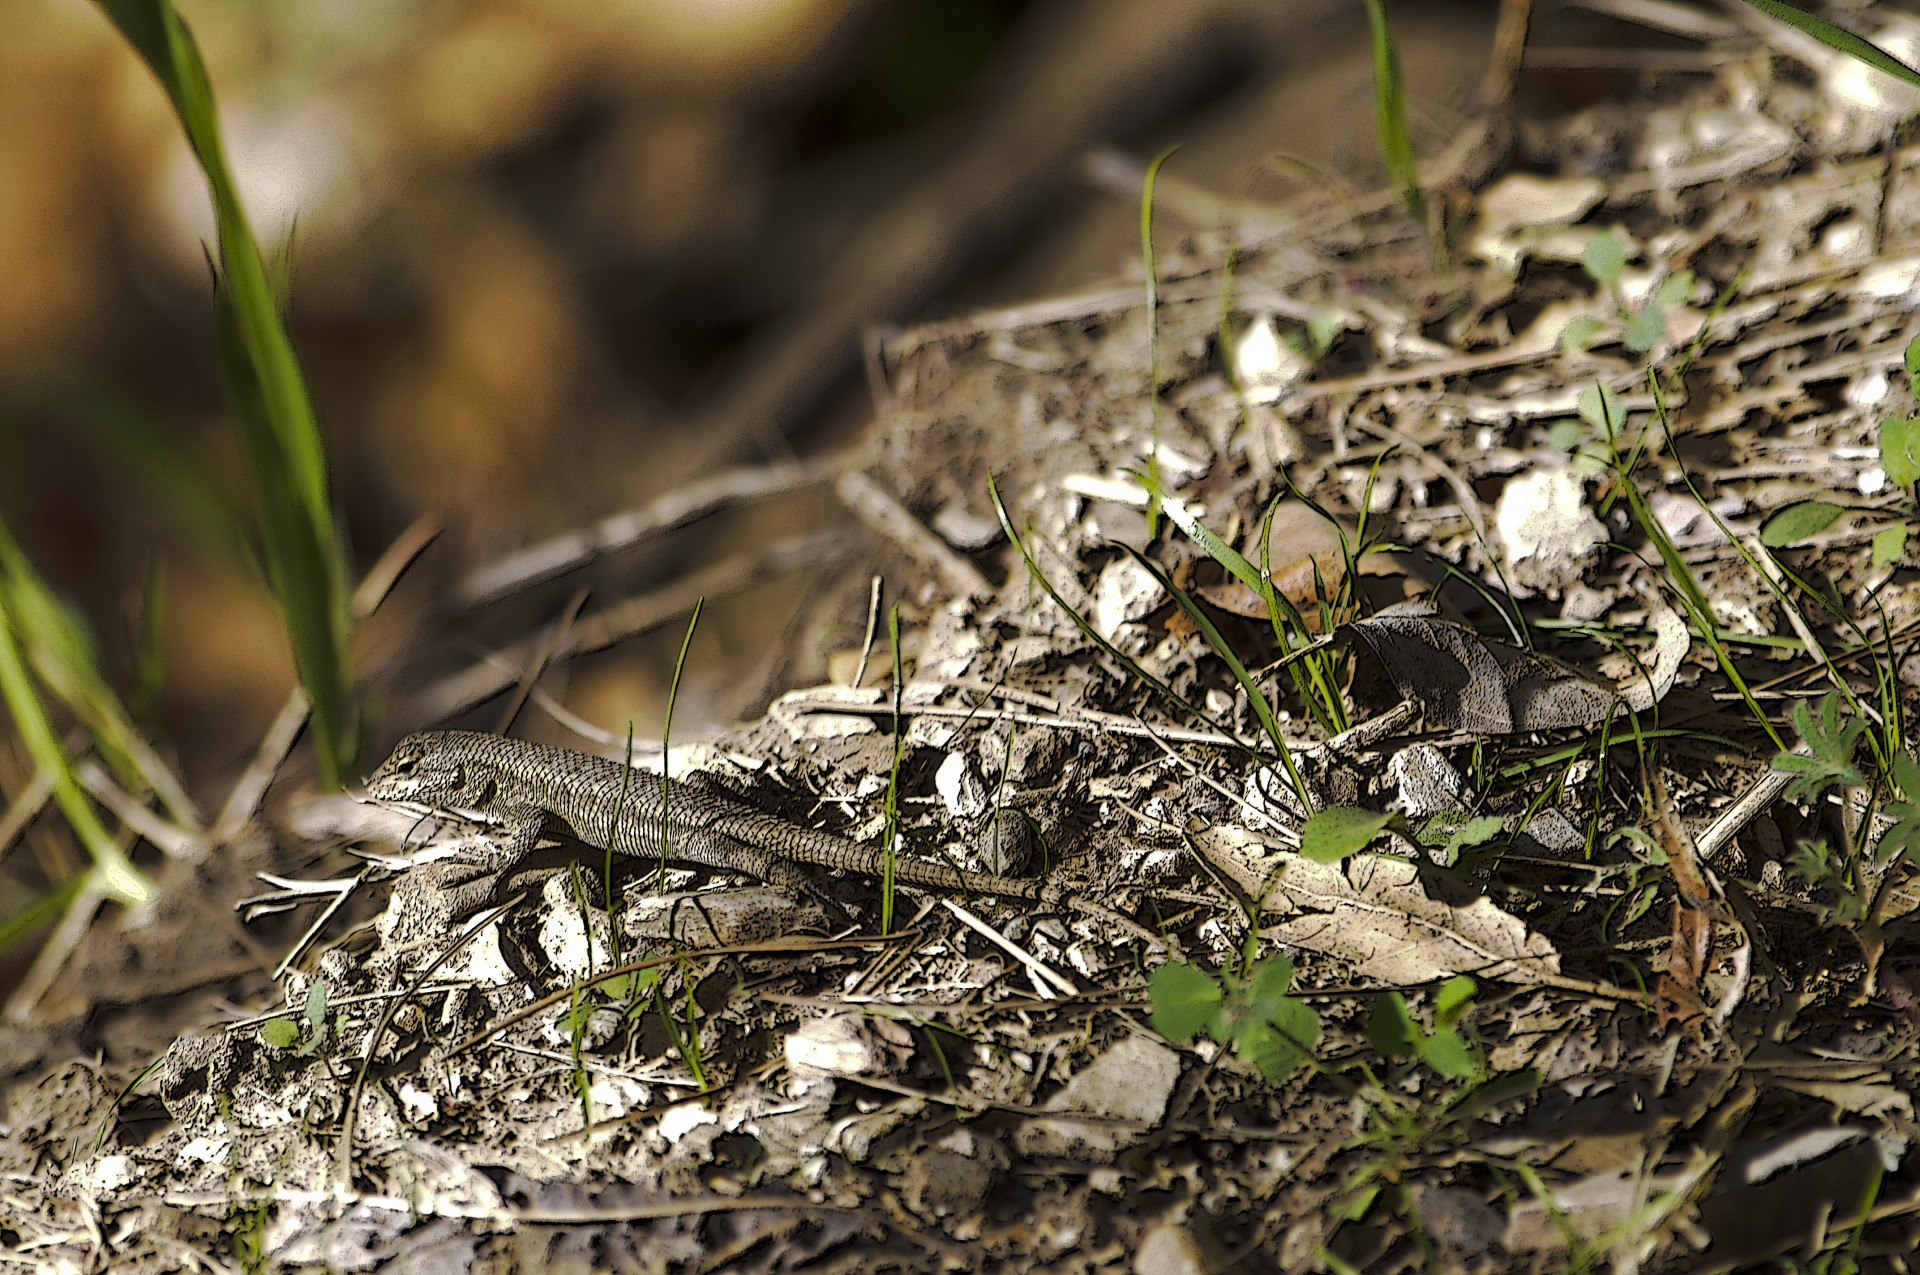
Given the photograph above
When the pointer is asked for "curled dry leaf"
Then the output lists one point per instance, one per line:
(1464, 681)
(1649, 684)
(1398, 924)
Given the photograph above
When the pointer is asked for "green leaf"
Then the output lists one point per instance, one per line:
(1900, 449)
(1272, 980)
(1674, 289)
(1579, 333)
(1906, 773)
(1358, 1206)
(1322, 327)
(1298, 1025)
(1391, 1027)
(1449, 1055)
(1799, 521)
(1832, 741)
(1279, 1044)
(1185, 1001)
(1889, 544)
(1565, 435)
(315, 1042)
(1449, 832)
(1452, 1000)
(1476, 831)
(1605, 258)
(1340, 831)
(1913, 360)
(317, 1003)
(1904, 808)
(1644, 329)
(281, 1033)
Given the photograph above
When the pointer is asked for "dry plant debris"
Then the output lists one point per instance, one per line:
(1505, 1003)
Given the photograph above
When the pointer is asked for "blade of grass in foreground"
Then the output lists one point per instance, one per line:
(62, 665)
(119, 879)
(1840, 39)
(273, 415)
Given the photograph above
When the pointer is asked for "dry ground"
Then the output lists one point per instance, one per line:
(1607, 995)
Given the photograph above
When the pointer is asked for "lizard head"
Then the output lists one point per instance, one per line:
(423, 774)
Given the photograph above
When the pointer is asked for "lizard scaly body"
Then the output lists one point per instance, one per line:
(526, 789)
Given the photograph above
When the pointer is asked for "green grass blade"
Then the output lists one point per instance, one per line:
(41, 911)
(666, 738)
(891, 840)
(59, 650)
(119, 879)
(145, 446)
(1315, 690)
(1693, 598)
(1390, 115)
(149, 662)
(273, 415)
(1153, 330)
(1093, 635)
(1261, 708)
(1840, 39)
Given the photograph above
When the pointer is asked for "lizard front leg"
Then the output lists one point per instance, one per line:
(486, 869)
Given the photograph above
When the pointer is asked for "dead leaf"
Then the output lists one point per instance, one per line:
(1466, 682)
(1699, 907)
(1649, 685)
(1399, 924)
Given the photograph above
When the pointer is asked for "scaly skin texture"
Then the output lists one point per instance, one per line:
(526, 789)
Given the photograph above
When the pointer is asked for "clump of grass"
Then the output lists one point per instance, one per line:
(1262, 708)
(45, 652)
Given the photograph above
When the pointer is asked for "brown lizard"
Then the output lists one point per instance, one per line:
(526, 789)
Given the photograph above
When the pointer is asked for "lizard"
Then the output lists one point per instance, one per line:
(525, 789)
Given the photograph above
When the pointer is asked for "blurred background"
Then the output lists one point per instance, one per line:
(554, 258)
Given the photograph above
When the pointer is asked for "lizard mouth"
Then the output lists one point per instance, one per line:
(439, 810)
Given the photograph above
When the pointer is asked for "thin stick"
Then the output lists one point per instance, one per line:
(454, 694)
(542, 658)
(575, 549)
